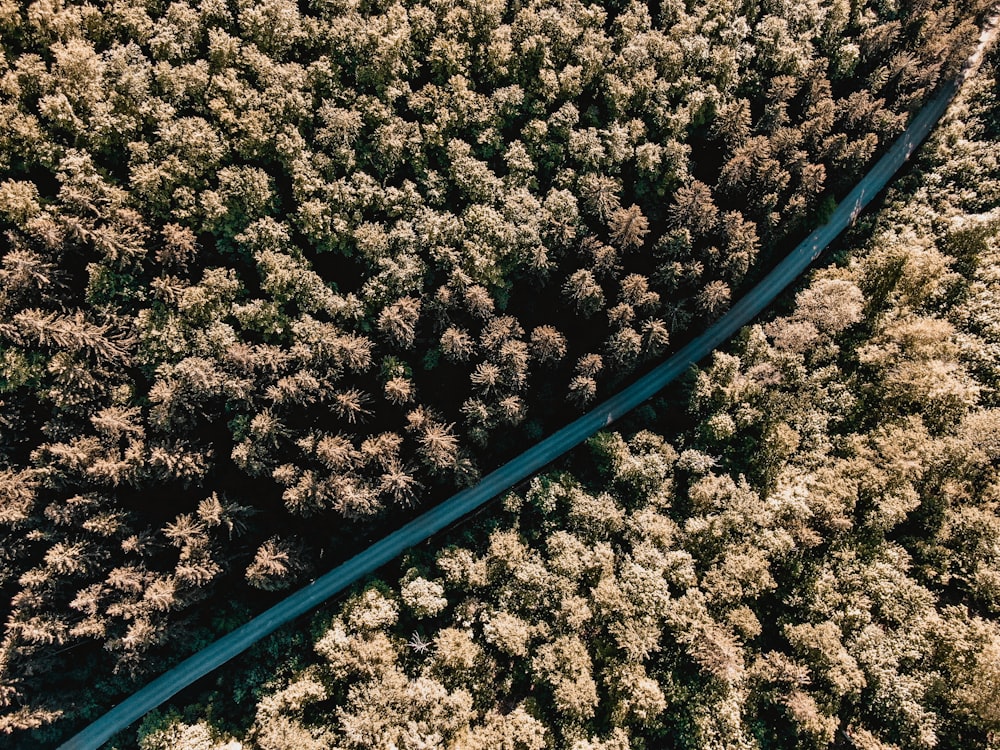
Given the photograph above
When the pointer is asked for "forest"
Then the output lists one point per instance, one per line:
(810, 561)
(275, 276)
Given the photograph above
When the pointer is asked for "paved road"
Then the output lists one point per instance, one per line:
(443, 515)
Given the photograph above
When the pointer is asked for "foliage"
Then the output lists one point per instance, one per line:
(812, 564)
(273, 273)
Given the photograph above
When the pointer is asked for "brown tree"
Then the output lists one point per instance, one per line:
(398, 321)
(582, 289)
(628, 228)
(547, 344)
(694, 209)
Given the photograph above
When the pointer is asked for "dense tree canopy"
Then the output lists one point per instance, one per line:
(812, 562)
(272, 274)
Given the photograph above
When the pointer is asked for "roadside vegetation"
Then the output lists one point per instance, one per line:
(273, 275)
(811, 562)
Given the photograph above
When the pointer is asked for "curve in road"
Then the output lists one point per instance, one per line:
(524, 465)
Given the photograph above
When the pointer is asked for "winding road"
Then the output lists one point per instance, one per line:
(552, 447)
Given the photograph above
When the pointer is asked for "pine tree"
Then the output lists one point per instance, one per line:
(694, 209)
(714, 298)
(478, 301)
(399, 390)
(399, 483)
(437, 443)
(179, 248)
(457, 344)
(624, 347)
(398, 321)
(582, 390)
(600, 195)
(275, 565)
(628, 228)
(655, 337)
(350, 405)
(584, 292)
(733, 123)
(547, 344)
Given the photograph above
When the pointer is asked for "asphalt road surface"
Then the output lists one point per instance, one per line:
(443, 515)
